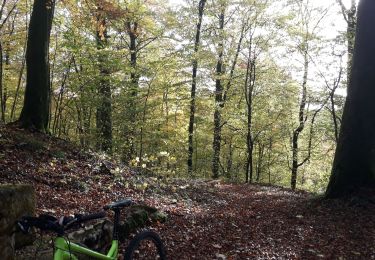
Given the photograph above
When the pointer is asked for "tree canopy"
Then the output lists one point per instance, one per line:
(241, 90)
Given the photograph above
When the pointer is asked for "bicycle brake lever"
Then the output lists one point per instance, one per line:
(23, 227)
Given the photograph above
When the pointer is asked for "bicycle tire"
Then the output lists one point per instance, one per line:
(142, 236)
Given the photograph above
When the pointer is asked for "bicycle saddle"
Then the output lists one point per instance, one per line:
(119, 204)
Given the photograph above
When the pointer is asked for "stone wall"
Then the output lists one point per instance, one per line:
(15, 201)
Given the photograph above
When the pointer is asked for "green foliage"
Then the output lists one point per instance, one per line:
(158, 120)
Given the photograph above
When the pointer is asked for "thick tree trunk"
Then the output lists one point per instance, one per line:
(354, 163)
(193, 88)
(218, 99)
(104, 109)
(35, 111)
(352, 23)
(350, 16)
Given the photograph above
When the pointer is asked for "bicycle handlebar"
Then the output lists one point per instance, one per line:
(50, 223)
(47, 222)
(92, 216)
(43, 222)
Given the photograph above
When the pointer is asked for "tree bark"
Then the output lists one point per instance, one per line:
(218, 99)
(221, 93)
(140, 162)
(104, 109)
(259, 166)
(130, 149)
(354, 162)
(301, 120)
(350, 16)
(2, 105)
(249, 91)
(12, 113)
(35, 111)
(193, 88)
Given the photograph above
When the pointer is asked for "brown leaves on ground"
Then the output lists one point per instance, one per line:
(260, 222)
(207, 220)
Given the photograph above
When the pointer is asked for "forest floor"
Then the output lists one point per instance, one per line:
(206, 219)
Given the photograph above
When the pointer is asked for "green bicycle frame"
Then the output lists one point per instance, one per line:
(64, 250)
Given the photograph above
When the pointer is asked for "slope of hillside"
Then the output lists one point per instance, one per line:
(206, 219)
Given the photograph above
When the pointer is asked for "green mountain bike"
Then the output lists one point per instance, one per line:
(67, 250)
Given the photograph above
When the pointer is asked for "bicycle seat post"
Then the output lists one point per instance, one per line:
(116, 223)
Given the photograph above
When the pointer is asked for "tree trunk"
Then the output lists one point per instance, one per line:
(2, 110)
(104, 109)
(230, 160)
(221, 93)
(35, 111)
(59, 102)
(335, 118)
(249, 89)
(140, 162)
(193, 88)
(352, 23)
(130, 151)
(218, 99)
(353, 166)
(301, 120)
(259, 161)
(12, 113)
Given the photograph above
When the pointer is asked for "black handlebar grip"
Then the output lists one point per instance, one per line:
(23, 226)
(92, 216)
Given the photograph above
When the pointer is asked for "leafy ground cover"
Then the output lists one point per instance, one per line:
(206, 219)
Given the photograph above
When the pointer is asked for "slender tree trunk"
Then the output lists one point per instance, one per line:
(270, 144)
(2, 105)
(334, 114)
(143, 124)
(301, 121)
(354, 162)
(218, 99)
(132, 117)
(52, 75)
(35, 112)
(12, 113)
(221, 93)
(249, 89)
(230, 160)
(59, 102)
(193, 88)
(104, 108)
(16, 94)
(259, 161)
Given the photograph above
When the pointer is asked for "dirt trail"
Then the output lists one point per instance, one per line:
(260, 222)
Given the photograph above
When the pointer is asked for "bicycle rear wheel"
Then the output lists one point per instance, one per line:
(146, 245)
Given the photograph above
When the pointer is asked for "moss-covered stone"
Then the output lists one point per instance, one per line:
(15, 201)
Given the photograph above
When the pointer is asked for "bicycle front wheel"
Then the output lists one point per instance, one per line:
(146, 245)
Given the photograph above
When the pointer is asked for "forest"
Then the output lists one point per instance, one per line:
(197, 98)
(242, 90)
